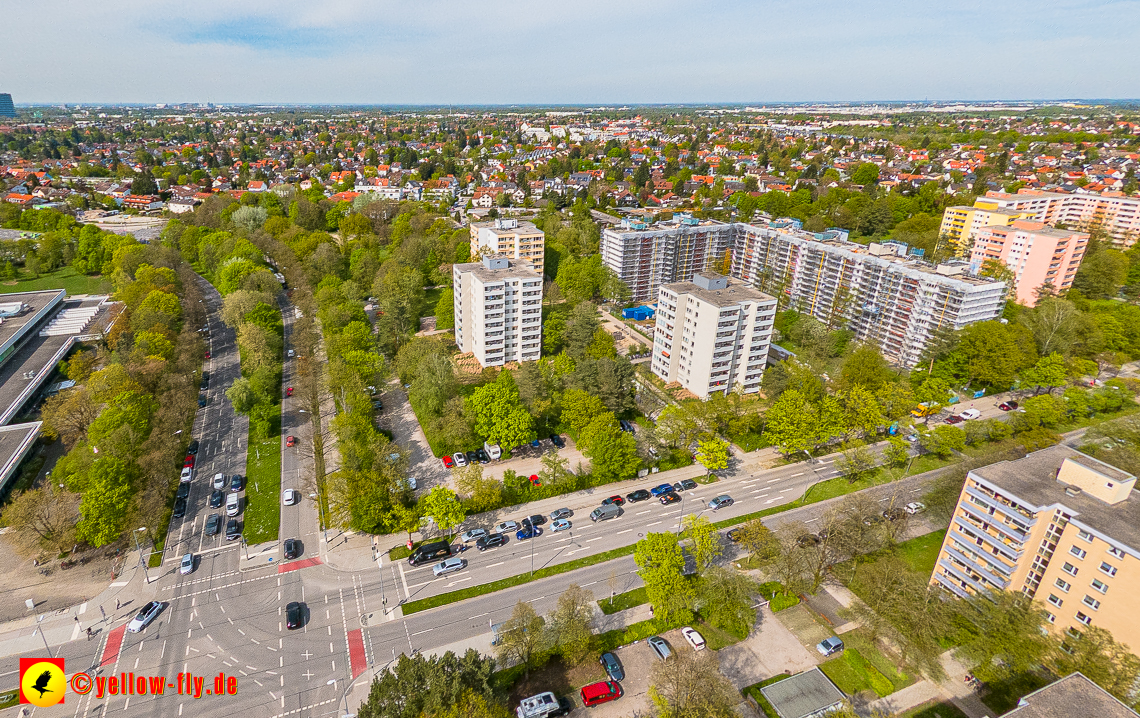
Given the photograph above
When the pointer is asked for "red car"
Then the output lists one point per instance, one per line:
(615, 500)
(1007, 405)
(448, 462)
(207, 355)
(290, 441)
(189, 460)
(601, 692)
(289, 391)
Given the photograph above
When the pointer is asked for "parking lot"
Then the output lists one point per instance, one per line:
(638, 660)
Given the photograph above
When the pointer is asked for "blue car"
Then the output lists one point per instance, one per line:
(527, 531)
(662, 489)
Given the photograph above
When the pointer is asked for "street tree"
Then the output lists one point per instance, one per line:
(857, 463)
(1002, 634)
(611, 451)
(726, 599)
(443, 506)
(758, 540)
(704, 541)
(483, 493)
(68, 414)
(712, 453)
(661, 566)
(522, 638)
(43, 517)
(1049, 372)
(790, 426)
(690, 685)
(572, 623)
(896, 453)
(944, 440)
(431, 685)
(862, 413)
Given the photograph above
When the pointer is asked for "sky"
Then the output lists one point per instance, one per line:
(460, 52)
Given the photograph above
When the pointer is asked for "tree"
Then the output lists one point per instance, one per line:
(611, 451)
(45, 516)
(1002, 634)
(865, 174)
(712, 453)
(483, 493)
(1097, 655)
(522, 637)
(249, 218)
(107, 500)
(726, 598)
(445, 309)
(242, 395)
(443, 506)
(857, 463)
(758, 540)
(932, 393)
(1054, 323)
(572, 623)
(498, 414)
(690, 685)
(431, 685)
(704, 541)
(472, 705)
(789, 424)
(944, 440)
(434, 384)
(555, 469)
(862, 412)
(865, 367)
(1048, 372)
(68, 414)
(896, 453)
(661, 566)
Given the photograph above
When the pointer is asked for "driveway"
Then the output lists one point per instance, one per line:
(769, 650)
(398, 418)
(527, 460)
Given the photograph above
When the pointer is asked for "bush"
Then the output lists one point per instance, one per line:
(779, 603)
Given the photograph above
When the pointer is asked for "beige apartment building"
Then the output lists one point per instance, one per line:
(1114, 213)
(1059, 526)
(512, 238)
(498, 310)
(960, 225)
(712, 335)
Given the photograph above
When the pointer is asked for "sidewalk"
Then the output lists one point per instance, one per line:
(953, 689)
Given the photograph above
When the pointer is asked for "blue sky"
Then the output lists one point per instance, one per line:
(589, 51)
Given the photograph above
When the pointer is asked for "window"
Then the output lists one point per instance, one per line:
(1091, 602)
(1100, 586)
(1055, 601)
(1069, 569)
(1108, 568)
(1083, 618)
(1115, 552)
(1050, 617)
(1084, 535)
(1078, 552)
(1063, 584)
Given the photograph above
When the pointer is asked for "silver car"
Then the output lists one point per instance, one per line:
(145, 615)
(449, 565)
(506, 527)
(460, 459)
(472, 535)
(720, 502)
(660, 647)
(187, 565)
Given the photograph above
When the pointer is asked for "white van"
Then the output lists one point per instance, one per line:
(233, 504)
(493, 451)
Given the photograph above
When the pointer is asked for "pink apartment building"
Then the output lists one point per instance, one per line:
(1035, 252)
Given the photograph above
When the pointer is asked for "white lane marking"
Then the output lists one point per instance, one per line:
(619, 533)
(795, 475)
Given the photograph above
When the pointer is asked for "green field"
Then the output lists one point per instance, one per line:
(63, 278)
(263, 489)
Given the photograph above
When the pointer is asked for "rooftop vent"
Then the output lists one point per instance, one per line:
(1072, 490)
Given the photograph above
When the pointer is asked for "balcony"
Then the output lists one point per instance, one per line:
(994, 522)
(1004, 506)
(999, 581)
(958, 572)
(970, 531)
(951, 586)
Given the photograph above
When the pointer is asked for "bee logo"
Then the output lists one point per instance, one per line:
(42, 681)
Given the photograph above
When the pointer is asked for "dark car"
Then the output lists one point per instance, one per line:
(233, 530)
(205, 384)
(639, 495)
(1008, 405)
(686, 484)
(292, 548)
(537, 519)
(669, 498)
(954, 419)
(662, 489)
(193, 448)
(734, 535)
(179, 508)
(183, 490)
(527, 531)
(294, 615)
(558, 441)
(560, 514)
(201, 400)
(894, 514)
(472, 457)
(217, 498)
(235, 482)
(213, 524)
(484, 457)
(490, 541)
(625, 425)
(613, 667)
(615, 500)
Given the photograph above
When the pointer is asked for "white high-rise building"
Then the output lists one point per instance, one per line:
(646, 256)
(712, 335)
(498, 310)
(511, 238)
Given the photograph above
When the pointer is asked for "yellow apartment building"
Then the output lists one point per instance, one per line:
(512, 238)
(1059, 526)
(960, 224)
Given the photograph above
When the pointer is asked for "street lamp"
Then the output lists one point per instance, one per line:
(46, 647)
(134, 535)
(344, 697)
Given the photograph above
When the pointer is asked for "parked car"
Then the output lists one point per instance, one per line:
(460, 459)
(217, 498)
(560, 525)
(233, 530)
(613, 667)
(202, 400)
(143, 618)
(236, 482)
(292, 496)
(289, 391)
(639, 495)
(527, 532)
(292, 548)
(615, 500)
(720, 502)
(472, 457)
(695, 639)
(660, 647)
(915, 507)
(483, 456)
(490, 541)
(829, 646)
(472, 535)
(187, 473)
(412, 483)
(193, 448)
(187, 565)
(600, 692)
(558, 441)
(449, 565)
(1008, 405)
(686, 484)
(506, 527)
(537, 519)
(208, 355)
(669, 498)
(954, 419)
(970, 414)
(294, 615)
(448, 462)
(219, 481)
(179, 508)
(233, 505)
(912, 437)
(493, 451)
(894, 514)
(213, 524)
(873, 519)
(183, 491)
(626, 425)
(188, 461)
(560, 514)
(290, 441)
(806, 540)
(733, 535)
(662, 489)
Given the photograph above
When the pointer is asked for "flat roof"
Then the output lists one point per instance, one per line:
(733, 294)
(515, 270)
(1033, 480)
(36, 303)
(15, 441)
(803, 694)
(38, 359)
(1073, 695)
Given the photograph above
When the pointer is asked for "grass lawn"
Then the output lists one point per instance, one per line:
(717, 638)
(622, 601)
(751, 441)
(7, 700)
(62, 278)
(431, 298)
(263, 488)
(851, 673)
(934, 709)
(878, 660)
(1002, 697)
(921, 552)
(754, 691)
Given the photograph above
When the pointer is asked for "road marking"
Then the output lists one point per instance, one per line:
(652, 524)
(600, 537)
(772, 481)
(793, 476)
(356, 655)
(771, 500)
(639, 513)
(458, 580)
(619, 533)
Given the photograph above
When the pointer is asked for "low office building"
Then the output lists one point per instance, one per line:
(1059, 526)
(1036, 253)
(511, 238)
(712, 335)
(498, 310)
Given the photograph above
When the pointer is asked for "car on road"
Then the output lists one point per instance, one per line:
(660, 647)
(233, 530)
(560, 525)
(536, 519)
(1008, 405)
(187, 473)
(187, 565)
(490, 541)
(179, 508)
(460, 459)
(472, 457)
(213, 524)
(292, 548)
(615, 500)
(970, 414)
(600, 692)
(720, 502)
(915, 507)
(219, 481)
(694, 639)
(294, 615)
(685, 484)
(289, 391)
(290, 441)
(669, 498)
(193, 448)
(558, 441)
(605, 513)
(183, 491)
(292, 496)
(202, 401)
(894, 514)
(449, 565)
(954, 419)
(560, 514)
(217, 498)
(506, 527)
(472, 535)
(143, 618)
(236, 482)
(662, 489)
(612, 666)
(448, 462)
(208, 355)
(829, 646)
(639, 495)
(527, 532)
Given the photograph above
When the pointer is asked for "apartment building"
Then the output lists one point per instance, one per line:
(1059, 526)
(498, 310)
(1115, 213)
(646, 256)
(712, 334)
(960, 225)
(1035, 252)
(886, 298)
(511, 238)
